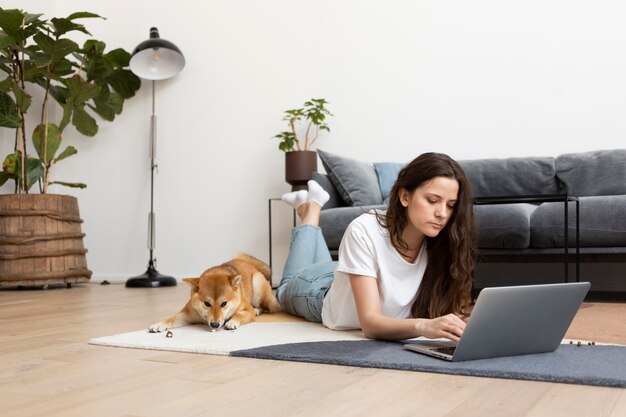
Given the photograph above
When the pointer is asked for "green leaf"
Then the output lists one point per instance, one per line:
(62, 26)
(11, 20)
(293, 113)
(117, 102)
(103, 109)
(70, 184)
(35, 171)
(67, 114)
(93, 46)
(98, 68)
(52, 141)
(5, 41)
(84, 123)
(10, 163)
(32, 18)
(80, 58)
(21, 26)
(81, 89)
(12, 166)
(5, 85)
(119, 58)
(4, 68)
(33, 73)
(4, 177)
(67, 152)
(124, 82)
(285, 146)
(8, 112)
(82, 15)
(61, 69)
(40, 59)
(62, 48)
(60, 94)
(45, 42)
(56, 49)
(288, 141)
(22, 98)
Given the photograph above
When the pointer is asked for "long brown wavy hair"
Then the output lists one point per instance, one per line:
(447, 282)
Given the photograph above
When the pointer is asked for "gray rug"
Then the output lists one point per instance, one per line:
(586, 365)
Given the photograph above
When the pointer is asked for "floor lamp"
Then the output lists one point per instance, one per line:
(154, 59)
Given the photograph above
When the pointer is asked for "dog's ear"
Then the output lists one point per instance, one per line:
(235, 281)
(193, 282)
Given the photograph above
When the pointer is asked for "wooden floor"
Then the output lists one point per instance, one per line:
(47, 369)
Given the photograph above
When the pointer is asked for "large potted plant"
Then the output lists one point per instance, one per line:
(41, 241)
(305, 124)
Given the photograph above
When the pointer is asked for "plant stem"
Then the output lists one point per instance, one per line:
(292, 123)
(306, 137)
(15, 150)
(23, 117)
(44, 121)
(21, 139)
(317, 133)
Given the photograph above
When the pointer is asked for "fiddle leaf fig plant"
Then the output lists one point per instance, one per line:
(38, 57)
(313, 115)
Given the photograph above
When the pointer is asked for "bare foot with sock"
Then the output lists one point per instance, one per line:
(317, 193)
(308, 203)
(295, 198)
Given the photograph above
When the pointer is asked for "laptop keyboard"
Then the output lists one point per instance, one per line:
(445, 350)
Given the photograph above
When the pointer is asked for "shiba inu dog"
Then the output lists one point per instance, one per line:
(227, 295)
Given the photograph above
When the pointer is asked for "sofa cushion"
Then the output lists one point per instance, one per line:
(503, 226)
(512, 176)
(593, 173)
(387, 173)
(602, 223)
(335, 199)
(334, 222)
(355, 181)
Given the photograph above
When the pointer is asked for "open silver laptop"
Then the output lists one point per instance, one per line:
(510, 321)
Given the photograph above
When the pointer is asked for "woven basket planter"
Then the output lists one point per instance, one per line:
(41, 241)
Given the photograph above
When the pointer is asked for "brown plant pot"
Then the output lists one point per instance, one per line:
(41, 241)
(299, 168)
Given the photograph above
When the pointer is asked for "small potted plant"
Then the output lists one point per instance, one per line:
(38, 57)
(300, 161)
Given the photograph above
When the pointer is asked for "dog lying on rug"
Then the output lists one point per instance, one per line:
(228, 295)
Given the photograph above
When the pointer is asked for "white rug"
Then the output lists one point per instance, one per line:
(197, 339)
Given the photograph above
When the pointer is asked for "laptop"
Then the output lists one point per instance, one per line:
(511, 321)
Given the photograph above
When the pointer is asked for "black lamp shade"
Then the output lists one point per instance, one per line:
(156, 58)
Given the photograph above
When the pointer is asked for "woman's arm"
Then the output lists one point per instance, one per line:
(377, 326)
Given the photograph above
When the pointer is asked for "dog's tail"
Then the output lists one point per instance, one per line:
(259, 264)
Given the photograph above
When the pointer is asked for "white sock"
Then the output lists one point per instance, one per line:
(317, 193)
(295, 198)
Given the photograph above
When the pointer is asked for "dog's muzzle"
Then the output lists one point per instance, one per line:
(214, 325)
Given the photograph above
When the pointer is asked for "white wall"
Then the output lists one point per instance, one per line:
(485, 78)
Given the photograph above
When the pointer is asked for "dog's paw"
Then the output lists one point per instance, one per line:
(158, 327)
(232, 325)
(257, 311)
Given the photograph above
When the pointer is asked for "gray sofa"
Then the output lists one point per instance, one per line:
(514, 237)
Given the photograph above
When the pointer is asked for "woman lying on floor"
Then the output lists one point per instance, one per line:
(402, 273)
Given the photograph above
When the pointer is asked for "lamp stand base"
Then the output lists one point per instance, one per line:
(151, 279)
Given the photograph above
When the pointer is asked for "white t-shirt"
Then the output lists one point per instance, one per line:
(366, 249)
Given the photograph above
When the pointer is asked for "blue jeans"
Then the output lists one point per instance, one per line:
(308, 273)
